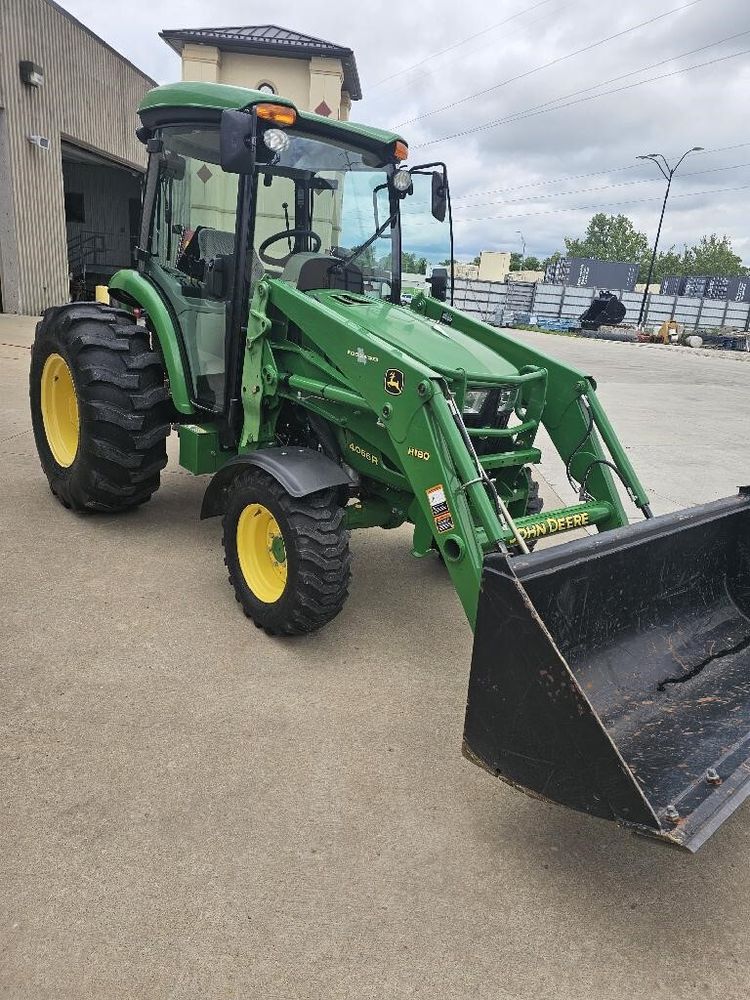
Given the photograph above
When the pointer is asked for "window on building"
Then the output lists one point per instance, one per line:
(74, 208)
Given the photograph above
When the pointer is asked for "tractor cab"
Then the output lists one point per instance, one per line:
(262, 189)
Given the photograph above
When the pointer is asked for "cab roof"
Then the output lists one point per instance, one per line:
(159, 105)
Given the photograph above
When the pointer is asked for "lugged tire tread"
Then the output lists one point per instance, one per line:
(123, 405)
(321, 539)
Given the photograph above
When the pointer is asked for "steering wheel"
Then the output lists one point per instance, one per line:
(284, 235)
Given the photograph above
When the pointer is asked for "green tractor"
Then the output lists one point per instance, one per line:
(263, 320)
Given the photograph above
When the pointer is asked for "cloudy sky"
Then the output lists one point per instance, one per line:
(539, 106)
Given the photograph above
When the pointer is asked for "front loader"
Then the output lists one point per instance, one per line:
(263, 320)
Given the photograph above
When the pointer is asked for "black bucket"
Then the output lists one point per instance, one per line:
(612, 674)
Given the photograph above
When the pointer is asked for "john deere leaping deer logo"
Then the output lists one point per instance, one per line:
(394, 381)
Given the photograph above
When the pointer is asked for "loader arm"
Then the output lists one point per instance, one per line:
(565, 418)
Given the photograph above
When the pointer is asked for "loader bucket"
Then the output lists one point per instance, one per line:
(612, 674)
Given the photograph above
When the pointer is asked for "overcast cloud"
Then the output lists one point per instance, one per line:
(524, 174)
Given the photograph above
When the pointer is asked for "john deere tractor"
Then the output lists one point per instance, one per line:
(263, 321)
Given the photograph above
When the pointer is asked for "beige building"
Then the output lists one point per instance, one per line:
(494, 265)
(464, 270)
(531, 277)
(317, 75)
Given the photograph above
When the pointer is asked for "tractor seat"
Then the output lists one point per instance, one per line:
(214, 243)
(311, 271)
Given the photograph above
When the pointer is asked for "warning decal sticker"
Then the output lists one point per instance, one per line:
(441, 512)
(436, 496)
(444, 522)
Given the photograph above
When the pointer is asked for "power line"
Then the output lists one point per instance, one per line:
(682, 55)
(553, 62)
(614, 204)
(463, 41)
(575, 177)
(605, 187)
(407, 86)
(519, 116)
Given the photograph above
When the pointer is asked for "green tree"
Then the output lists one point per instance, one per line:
(667, 263)
(413, 264)
(610, 237)
(519, 263)
(710, 255)
(367, 261)
(713, 254)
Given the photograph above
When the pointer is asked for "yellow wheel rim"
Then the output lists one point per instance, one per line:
(60, 410)
(262, 553)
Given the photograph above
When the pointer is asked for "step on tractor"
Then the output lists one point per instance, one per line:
(263, 320)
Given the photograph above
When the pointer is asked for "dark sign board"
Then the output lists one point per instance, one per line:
(585, 272)
(735, 289)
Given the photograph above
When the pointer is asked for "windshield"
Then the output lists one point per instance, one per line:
(319, 196)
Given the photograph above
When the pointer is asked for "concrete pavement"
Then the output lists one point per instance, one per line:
(190, 809)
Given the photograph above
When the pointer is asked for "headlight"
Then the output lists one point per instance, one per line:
(507, 397)
(276, 140)
(474, 400)
(402, 181)
(504, 400)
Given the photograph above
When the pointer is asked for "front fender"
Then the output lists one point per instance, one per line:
(140, 292)
(301, 471)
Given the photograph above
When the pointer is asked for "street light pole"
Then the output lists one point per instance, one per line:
(668, 173)
(523, 247)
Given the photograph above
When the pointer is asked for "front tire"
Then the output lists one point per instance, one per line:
(534, 503)
(99, 407)
(288, 558)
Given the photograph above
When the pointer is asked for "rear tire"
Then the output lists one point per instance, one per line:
(99, 407)
(288, 557)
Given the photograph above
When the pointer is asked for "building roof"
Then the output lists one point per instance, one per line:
(269, 39)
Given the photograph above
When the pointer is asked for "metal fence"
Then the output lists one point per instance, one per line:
(481, 299)
(494, 302)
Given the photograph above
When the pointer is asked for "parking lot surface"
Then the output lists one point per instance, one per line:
(190, 809)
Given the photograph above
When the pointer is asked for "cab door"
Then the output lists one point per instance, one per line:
(192, 251)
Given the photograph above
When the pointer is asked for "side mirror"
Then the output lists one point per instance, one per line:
(439, 195)
(438, 282)
(237, 130)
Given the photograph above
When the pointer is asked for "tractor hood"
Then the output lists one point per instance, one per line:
(437, 345)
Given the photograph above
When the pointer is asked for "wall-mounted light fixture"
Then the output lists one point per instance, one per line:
(31, 74)
(39, 140)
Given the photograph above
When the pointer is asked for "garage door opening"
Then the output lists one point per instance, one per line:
(102, 211)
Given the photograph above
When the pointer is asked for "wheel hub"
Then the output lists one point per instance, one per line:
(262, 553)
(60, 414)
